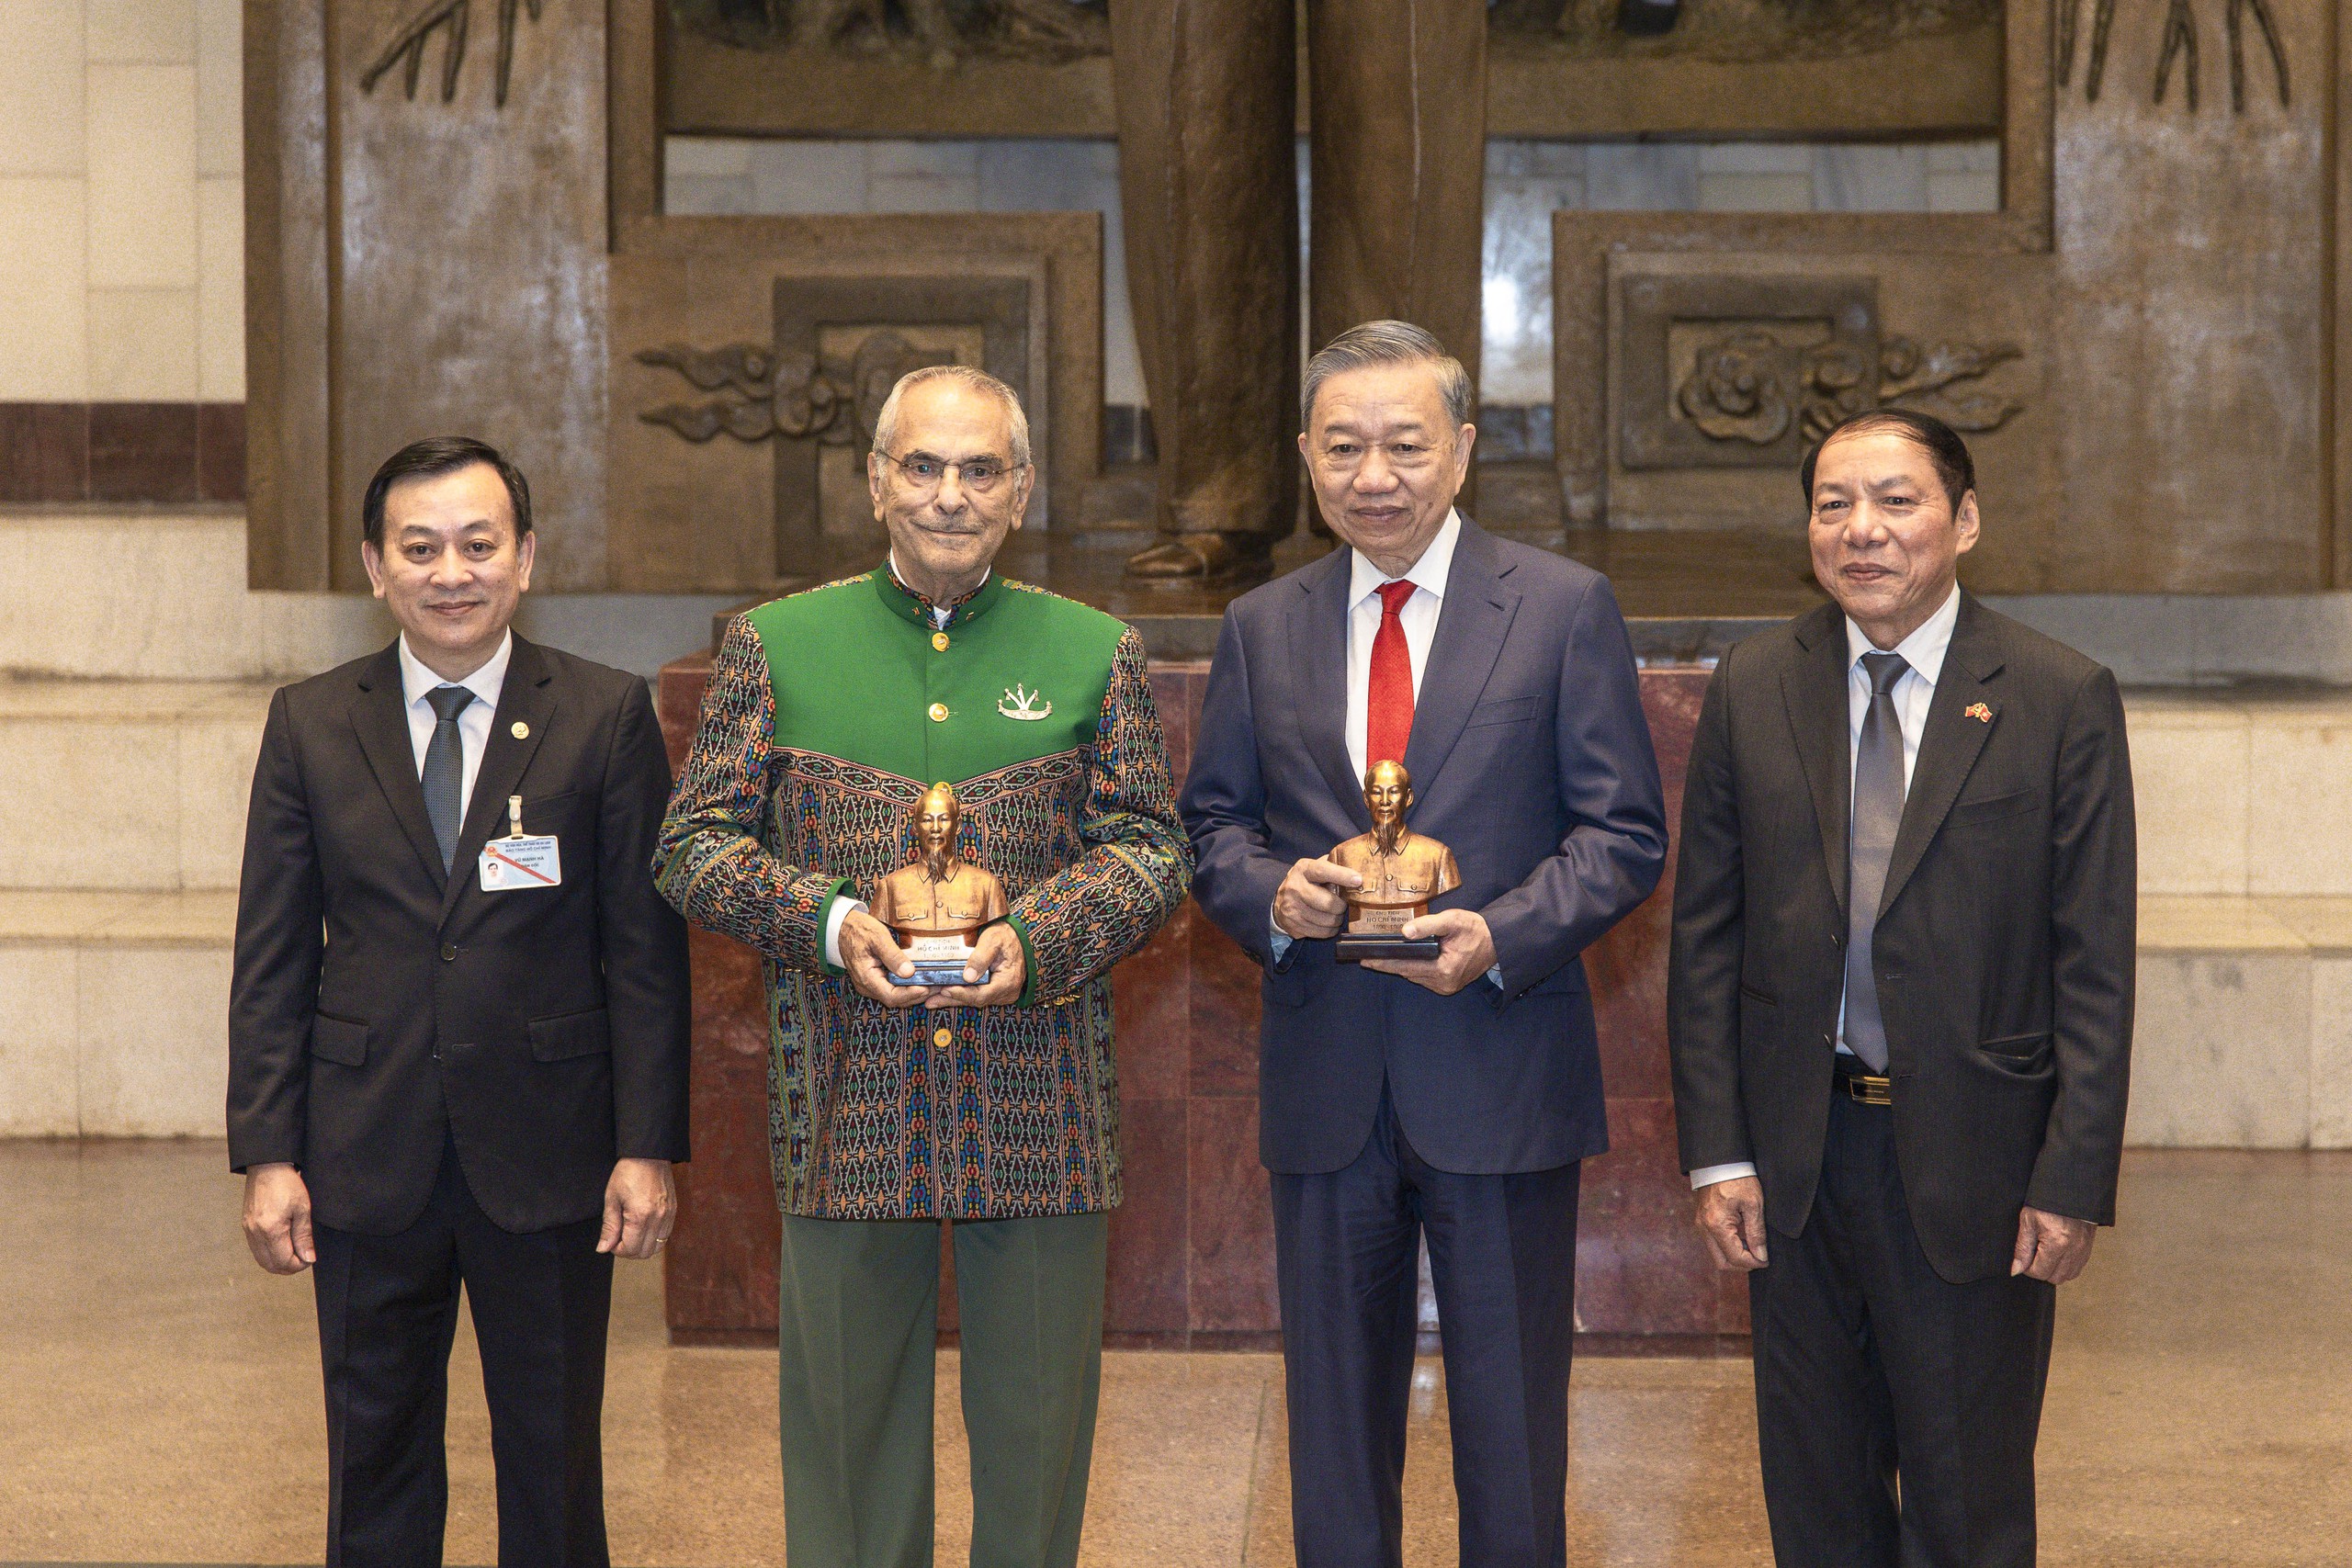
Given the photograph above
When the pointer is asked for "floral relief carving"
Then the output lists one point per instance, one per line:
(1752, 385)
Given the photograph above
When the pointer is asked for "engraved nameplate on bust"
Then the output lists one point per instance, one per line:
(1402, 871)
(938, 904)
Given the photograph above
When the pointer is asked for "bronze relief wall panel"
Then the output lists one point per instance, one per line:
(1719, 368)
(965, 68)
(2141, 344)
(749, 357)
(468, 240)
(2193, 252)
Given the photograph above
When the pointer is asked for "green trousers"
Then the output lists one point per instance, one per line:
(859, 1316)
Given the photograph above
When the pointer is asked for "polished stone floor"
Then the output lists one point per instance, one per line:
(159, 1401)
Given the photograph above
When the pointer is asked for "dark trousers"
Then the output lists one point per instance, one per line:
(1871, 1368)
(1503, 1257)
(388, 1310)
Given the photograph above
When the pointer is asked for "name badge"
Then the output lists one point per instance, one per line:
(518, 860)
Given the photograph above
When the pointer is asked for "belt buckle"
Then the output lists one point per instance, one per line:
(1869, 1089)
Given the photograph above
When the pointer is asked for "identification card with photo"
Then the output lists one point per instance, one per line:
(511, 863)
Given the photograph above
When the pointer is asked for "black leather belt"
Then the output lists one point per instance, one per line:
(1858, 1083)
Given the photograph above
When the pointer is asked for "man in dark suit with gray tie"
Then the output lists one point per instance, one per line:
(1454, 1096)
(457, 1023)
(1900, 1009)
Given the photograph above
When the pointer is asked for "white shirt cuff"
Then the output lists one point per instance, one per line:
(835, 913)
(1708, 1175)
(1278, 940)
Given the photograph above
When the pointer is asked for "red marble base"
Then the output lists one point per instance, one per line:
(1192, 1247)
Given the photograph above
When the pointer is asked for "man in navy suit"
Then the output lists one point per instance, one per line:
(1452, 1096)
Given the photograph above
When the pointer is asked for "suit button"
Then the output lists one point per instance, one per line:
(938, 713)
(939, 641)
(448, 955)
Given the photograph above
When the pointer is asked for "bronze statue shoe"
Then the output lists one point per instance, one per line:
(1205, 559)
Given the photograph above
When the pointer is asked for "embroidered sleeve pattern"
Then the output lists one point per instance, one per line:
(713, 862)
(1137, 865)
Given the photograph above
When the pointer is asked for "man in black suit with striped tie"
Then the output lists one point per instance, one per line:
(1900, 1013)
(458, 1051)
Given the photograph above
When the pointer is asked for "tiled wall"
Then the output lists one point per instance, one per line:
(121, 202)
(1525, 181)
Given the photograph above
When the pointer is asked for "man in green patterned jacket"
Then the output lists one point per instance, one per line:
(993, 1103)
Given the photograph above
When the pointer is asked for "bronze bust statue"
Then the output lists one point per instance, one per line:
(1402, 869)
(938, 904)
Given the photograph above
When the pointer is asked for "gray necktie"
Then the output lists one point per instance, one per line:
(444, 769)
(1878, 815)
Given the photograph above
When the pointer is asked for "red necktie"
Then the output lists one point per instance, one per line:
(1388, 715)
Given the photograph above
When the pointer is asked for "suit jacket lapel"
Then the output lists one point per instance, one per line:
(527, 698)
(1948, 746)
(1319, 650)
(379, 717)
(1472, 623)
(1815, 693)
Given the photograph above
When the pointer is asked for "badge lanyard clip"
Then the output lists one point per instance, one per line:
(514, 815)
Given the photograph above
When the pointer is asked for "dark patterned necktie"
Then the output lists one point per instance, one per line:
(445, 769)
(1878, 816)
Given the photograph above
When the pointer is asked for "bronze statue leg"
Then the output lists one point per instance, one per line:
(1397, 93)
(1207, 107)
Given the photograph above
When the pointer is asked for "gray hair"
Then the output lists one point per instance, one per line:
(972, 378)
(1388, 342)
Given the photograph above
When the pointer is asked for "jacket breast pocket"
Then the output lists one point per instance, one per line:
(343, 1041)
(543, 814)
(570, 1034)
(1503, 710)
(1996, 809)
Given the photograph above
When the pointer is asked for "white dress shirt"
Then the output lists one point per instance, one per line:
(839, 909)
(1913, 693)
(473, 724)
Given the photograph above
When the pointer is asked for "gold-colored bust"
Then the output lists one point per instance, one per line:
(936, 905)
(1402, 869)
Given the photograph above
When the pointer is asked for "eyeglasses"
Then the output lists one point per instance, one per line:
(978, 475)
